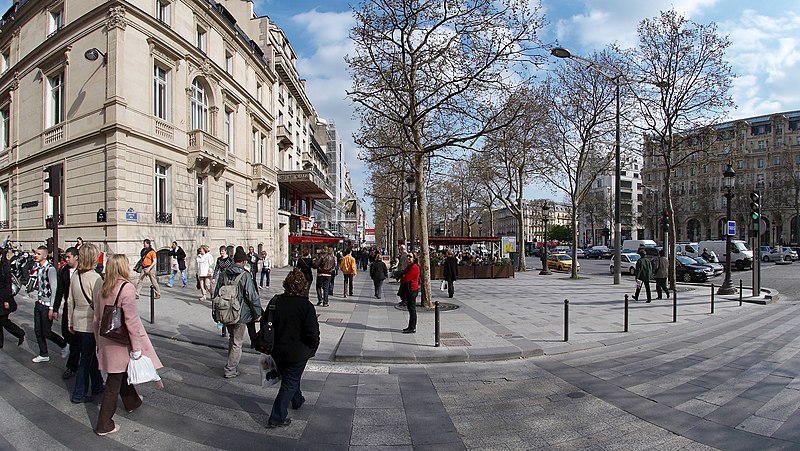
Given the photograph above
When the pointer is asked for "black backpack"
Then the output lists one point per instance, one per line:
(265, 338)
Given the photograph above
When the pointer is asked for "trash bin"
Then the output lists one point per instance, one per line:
(514, 258)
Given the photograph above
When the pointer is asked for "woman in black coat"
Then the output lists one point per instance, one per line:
(7, 303)
(450, 272)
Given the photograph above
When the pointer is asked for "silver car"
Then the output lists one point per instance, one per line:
(779, 253)
(627, 263)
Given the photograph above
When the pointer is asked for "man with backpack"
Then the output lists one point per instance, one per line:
(236, 303)
(325, 264)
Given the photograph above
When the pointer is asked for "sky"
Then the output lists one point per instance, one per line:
(764, 54)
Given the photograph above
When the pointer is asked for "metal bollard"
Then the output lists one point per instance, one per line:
(712, 298)
(740, 292)
(566, 320)
(626, 313)
(675, 305)
(436, 329)
(152, 304)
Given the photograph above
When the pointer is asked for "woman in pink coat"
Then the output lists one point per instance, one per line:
(113, 357)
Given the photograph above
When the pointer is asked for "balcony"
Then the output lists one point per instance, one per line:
(284, 137)
(207, 154)
(229, 223)
(264, 179)
(163, 218)
(202, 220)
(4, 224)
(308, 183)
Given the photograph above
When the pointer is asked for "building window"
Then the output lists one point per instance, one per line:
(56, 20)
(254, 146)
(161, 92)
(260, 211)
(202, 189)
(228, 205)
(200, 39)
(760, 163)
(776, 161)
(229, 63)
(5, 123)
(55, 99)
(5, 60)
(199, 106)
(162, 11)
(262, 154)
(740, 164)
(4, 206)
(228, 128)
(163, 215)
(258, 92)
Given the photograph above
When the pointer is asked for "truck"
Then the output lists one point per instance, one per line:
(741, 255)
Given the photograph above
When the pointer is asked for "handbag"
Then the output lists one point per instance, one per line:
(15, 285)
(138, 266)
(265, 338)
(112, 324)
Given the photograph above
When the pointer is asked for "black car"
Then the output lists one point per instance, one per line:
(598, 252)
(688, 270)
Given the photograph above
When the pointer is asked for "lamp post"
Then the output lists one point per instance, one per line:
(480, 226)
(545, 270)
(411, 200)
(728, 184)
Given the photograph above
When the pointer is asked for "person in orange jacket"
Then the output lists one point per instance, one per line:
(348, 267)
(148, 256)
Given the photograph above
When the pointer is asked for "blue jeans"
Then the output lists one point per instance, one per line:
(87, 367)
(289, 391)
(264, 273)
(323, 287)
(175, 273)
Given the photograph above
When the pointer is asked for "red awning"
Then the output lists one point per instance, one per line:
(314, 240)
(460, 240)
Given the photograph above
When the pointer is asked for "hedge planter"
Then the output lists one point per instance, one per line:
(476, 272)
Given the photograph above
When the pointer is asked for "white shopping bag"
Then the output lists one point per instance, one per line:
(269, 371)
(142, 370)
(444, 285)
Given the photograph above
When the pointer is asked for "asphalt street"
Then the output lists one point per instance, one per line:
(727, 381)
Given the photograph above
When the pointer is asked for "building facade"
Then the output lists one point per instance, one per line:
(179, 119)
(764, 151)
(533, 231)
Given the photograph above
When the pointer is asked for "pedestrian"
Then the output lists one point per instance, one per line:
(113, 357)
(644, 271)
(325, 264)
(337, 257)
(224, 261)
(304, 264)
(249, 308)
(252, 260)
(409, 288)
(43, 312)
(62, 292)
(7, 303)
(450, 268)
(80, 302)
(179, 266)
(348, 267)
(402, 262)
(78, 243)
(148, 256)
(296, 341)
(660, 274)
(265, 265)
(205, 270)
(378, 272)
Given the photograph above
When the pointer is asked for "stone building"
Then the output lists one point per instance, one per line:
(181, 119)
(765, 153)
(506, 223)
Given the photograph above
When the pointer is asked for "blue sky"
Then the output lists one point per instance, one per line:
(765, 52)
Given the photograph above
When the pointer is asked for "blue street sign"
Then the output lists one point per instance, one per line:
(731, 228)
(131, 215)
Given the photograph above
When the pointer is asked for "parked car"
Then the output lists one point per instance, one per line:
(599, 252)
(561, 262)
(687, 249)
(779, 253)
(718, 268)
(688, 270)
(580, 253)
(627, 262)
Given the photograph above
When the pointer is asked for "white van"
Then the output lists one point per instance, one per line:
(741, 256)
(634, 245)
(688, 249)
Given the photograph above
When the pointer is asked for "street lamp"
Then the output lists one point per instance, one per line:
(728, 184)
(411, 199)
(560, 52)
(480, 226)
(545, 270)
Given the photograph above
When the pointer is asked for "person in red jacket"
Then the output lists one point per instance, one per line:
(409, 287)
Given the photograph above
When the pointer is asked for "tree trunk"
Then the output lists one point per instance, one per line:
(424, 252)
(669, 249)
(520, 223)
(574, 221)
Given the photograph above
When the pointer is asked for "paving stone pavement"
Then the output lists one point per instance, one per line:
(724, 381)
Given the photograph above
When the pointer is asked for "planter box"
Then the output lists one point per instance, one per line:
(483, 272)
(437, 272)
(466, 272)
(503, 271)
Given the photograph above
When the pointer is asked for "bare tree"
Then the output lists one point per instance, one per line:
(685, 90)
(434, 71)
(582, 116)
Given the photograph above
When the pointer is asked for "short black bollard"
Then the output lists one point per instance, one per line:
(436, 326)
(152, 304)
(712, 298)
(566, 320)
(626, 313)
(675, 305)
(740, 292)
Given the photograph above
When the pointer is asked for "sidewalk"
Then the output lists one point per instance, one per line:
(496, 319)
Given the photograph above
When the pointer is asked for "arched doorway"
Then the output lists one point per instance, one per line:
(765, 232)
(693, 229)
(721, 226)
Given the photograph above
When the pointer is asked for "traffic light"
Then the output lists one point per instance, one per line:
(665, 220)
(755, 206)
(53, 181)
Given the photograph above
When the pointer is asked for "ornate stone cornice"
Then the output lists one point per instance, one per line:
(116, 18)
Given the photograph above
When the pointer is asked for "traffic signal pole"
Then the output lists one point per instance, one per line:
(755, 214)
(54, 190)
